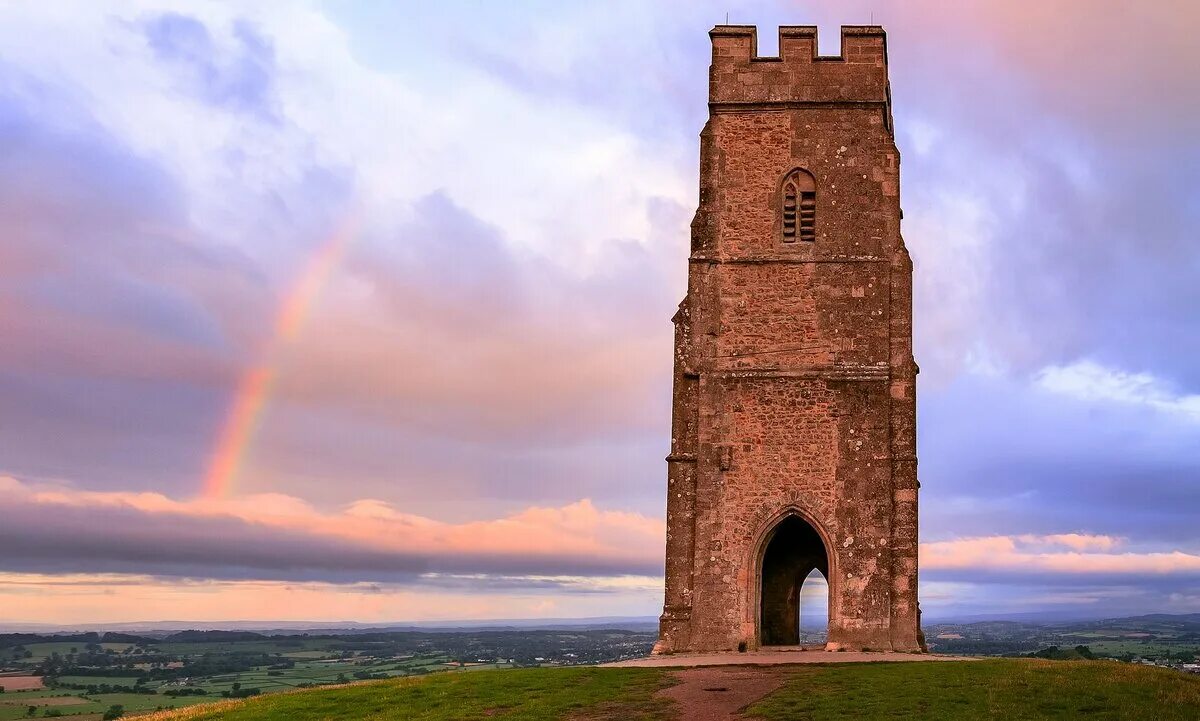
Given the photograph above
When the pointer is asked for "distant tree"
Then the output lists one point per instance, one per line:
(31, 711)
(115, 711)
(237, 685)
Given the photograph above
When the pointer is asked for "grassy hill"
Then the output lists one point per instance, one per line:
(992, 689)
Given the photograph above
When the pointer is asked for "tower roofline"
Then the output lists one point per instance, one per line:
(739, 75)
(807, 45)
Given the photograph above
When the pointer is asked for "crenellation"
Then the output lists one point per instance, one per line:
(798, 74)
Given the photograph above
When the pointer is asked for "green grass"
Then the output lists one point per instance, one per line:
(996, 689)
(532, 694)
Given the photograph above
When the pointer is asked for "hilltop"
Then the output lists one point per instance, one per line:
(961, 691)
(83, 674)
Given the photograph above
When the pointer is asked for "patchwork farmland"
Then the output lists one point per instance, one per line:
(90, 676)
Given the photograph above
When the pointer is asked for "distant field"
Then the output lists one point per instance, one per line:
(13, 706)
(282, 646)
(1016, 690)
(1137, 648)
(77, 705)
(43, 651)
(20, 683)
(110, 680)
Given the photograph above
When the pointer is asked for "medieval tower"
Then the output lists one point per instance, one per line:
(793, 438)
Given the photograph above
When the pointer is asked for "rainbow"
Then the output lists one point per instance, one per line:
(254, 386)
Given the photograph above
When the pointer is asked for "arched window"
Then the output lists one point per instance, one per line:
(799, 207)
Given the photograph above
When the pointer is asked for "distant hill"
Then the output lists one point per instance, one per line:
(161, 629)
(21, 639)
(1180, 619)
(213, 636)
(1153, 636)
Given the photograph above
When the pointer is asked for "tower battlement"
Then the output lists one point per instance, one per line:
(738, 74)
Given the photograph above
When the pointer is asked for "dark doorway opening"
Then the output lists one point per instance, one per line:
(793, 552)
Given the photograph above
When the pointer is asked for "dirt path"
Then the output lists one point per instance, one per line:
(718, 693)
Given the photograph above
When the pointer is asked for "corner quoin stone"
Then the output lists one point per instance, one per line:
(794, 381)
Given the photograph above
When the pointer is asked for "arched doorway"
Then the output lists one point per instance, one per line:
(794, 550)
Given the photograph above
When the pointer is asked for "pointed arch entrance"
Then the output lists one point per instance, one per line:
(793, 550)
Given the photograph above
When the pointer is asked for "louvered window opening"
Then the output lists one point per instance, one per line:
(799, 216)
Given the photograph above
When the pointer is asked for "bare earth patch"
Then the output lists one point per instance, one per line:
(718, 693)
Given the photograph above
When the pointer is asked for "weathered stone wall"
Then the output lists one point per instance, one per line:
(794, 377)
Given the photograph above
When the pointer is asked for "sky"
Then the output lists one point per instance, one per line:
(361, 311)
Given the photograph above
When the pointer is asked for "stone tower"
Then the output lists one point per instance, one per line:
(793, 443)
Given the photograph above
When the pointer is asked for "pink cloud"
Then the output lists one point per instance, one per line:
(281, 536)
(98, 598)
(1082, 541)
(578, 538)
(507, 344)
(1071, 553)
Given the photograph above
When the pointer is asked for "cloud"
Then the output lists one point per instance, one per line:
(1074, 558)
(478, 309)
(1089, 381)
(454, 333)
(1077, 541)
(273, 536)
(105, 598)
(243, 82)
(1078, 245)
(1078, 447)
